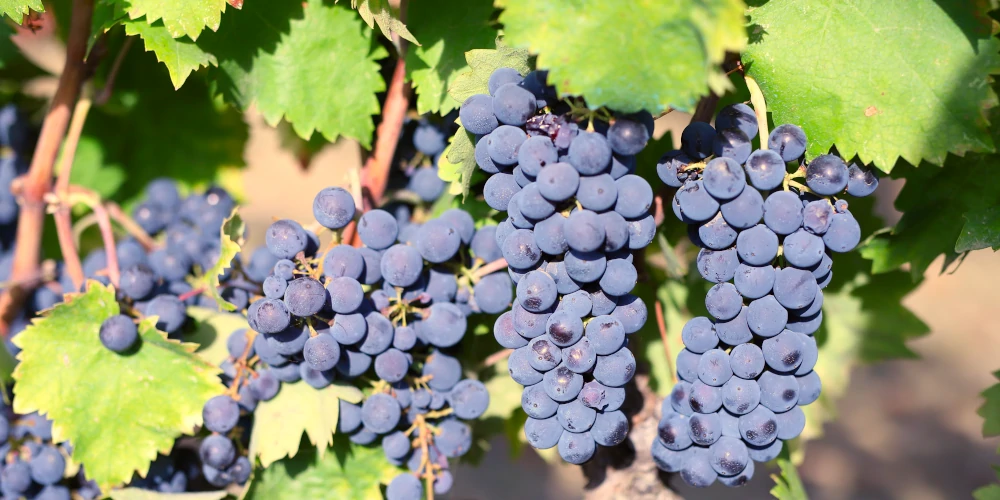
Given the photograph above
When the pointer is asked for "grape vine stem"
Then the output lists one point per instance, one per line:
(375, 174)
(63, 214)
(93, 200)
(759, 108)
(38, 180)
(497, 357)
(490, 268)
(662, 325)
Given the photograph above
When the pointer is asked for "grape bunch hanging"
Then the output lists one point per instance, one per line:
(575, 214)
(765, 241)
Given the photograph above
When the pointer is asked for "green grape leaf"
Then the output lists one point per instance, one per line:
(211, 331)
(990, 409)
(17, 9)
(351, 472)
(458, 164)
(981, 230)
(109, 405)
(141, 494)
(107, 14)
(230, 243)
(988, 492)
(482, 63)
(787, 485)
(280, 422)
(448, 33)
(505, 394)
(582, 44)
(181, 56)
(883, 80)
(91, 170)
(160, 132)
(180, 17)
(311, 63)
(379, 12)
(934, 201)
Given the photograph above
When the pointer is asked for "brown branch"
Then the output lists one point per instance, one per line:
(109, 85)
(490, 268)
(706, 108)
(130, 225)
(375, 174)
(38, 181)
(658, 214)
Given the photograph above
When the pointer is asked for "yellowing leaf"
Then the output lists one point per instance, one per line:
(231, 236)
(458, 163)
(482, 63)
(298, 407)
(211, 332)
(379, 11)
(129, 406)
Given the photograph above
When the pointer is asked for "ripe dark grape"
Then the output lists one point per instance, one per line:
(118, 333)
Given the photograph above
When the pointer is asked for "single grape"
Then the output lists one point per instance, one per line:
(377, 229)
(794, 288)
(738, 116)
(695, 203)
(493, 293)
(705, 428)
(562, 384)
(477, 115)
(810, 355)
(512, 104)
(47, 465)
(861, 182)
(445, 371)
(220, 414)
(380, 413)
(787, 140)
(590, 153)
(716, 234)
(619, 277)
(520, 250)
(699, 335)
(520, 369)
(503, 331)
(504, 143)
(790, 423)
(641, 232)
(544, 354)
(215, 450)
(732, 144)
(740, 396)
(766, 316)
(585, 267)
(559, 182)
(827, 175)
(718, 266)
(810, 388)
(803, 249)
(667, 460)
(631, 312)
(285, 238)
(729, 456)
(306, 296)
(575, 416)
(765, 169)
(783, 212)
(635, 196)
(713, 367)
(321, 352)
(597, 192)
(529, 324)
(401, 265)
(754, 282)
(118, 333)
(687, 365)
(536, 152)
(778, 393)
(171, 312)
(536, 403)
(806, 325)
(610, 428)
(627, 136)
(499, 189)
(680, 398)
(580, 357)
(500, 76)
(543, 433)
(844, 233)
(723, 301)
(670, 165)
(816, 216)
(137, 281)
(274, 287)
(697, 139)
(735, 331)
(564, 328)
(469, 399)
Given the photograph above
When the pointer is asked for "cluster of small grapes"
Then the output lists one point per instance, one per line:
(15, 134)
(575, 213)
(33, 466)
(418, 152)
(745, 374)
(392, 306)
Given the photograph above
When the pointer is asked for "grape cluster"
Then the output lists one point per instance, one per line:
(575, 213)
(397, 308)
(15, 134)
(765, 242)
(418, 152)
(33, 464)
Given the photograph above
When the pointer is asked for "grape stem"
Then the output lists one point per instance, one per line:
(130, 226)
(706, 108)
(375, 173)
(79, 194)
(490, 268)
(62, 214)
(759, 108)
(496, 357)
(37, 181)
(661, 324)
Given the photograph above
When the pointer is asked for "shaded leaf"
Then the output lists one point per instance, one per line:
(601, 50)
(280, 422)
(351, 472)
(448, 33)
(127, 406)
(457, 163)
(883, 80)
(379, 12)
(230, 243)
(981, 230)
(92, 171)
(211, 331)
(990, 409)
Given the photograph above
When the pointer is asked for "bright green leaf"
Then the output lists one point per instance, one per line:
(933, 202)
(448, 33)
(141, 494)
(313, 65)
(355, 472)
(787, 485)
(17, 9)
(298, 407)
(230, 243)
(883, 80)
(641, 54)
(181, 56)
(180, 17)
(211, 331)
(458, 163)
(505, 394)
(379, 12)
(482, 63)
(981, 230)
(109, 405)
